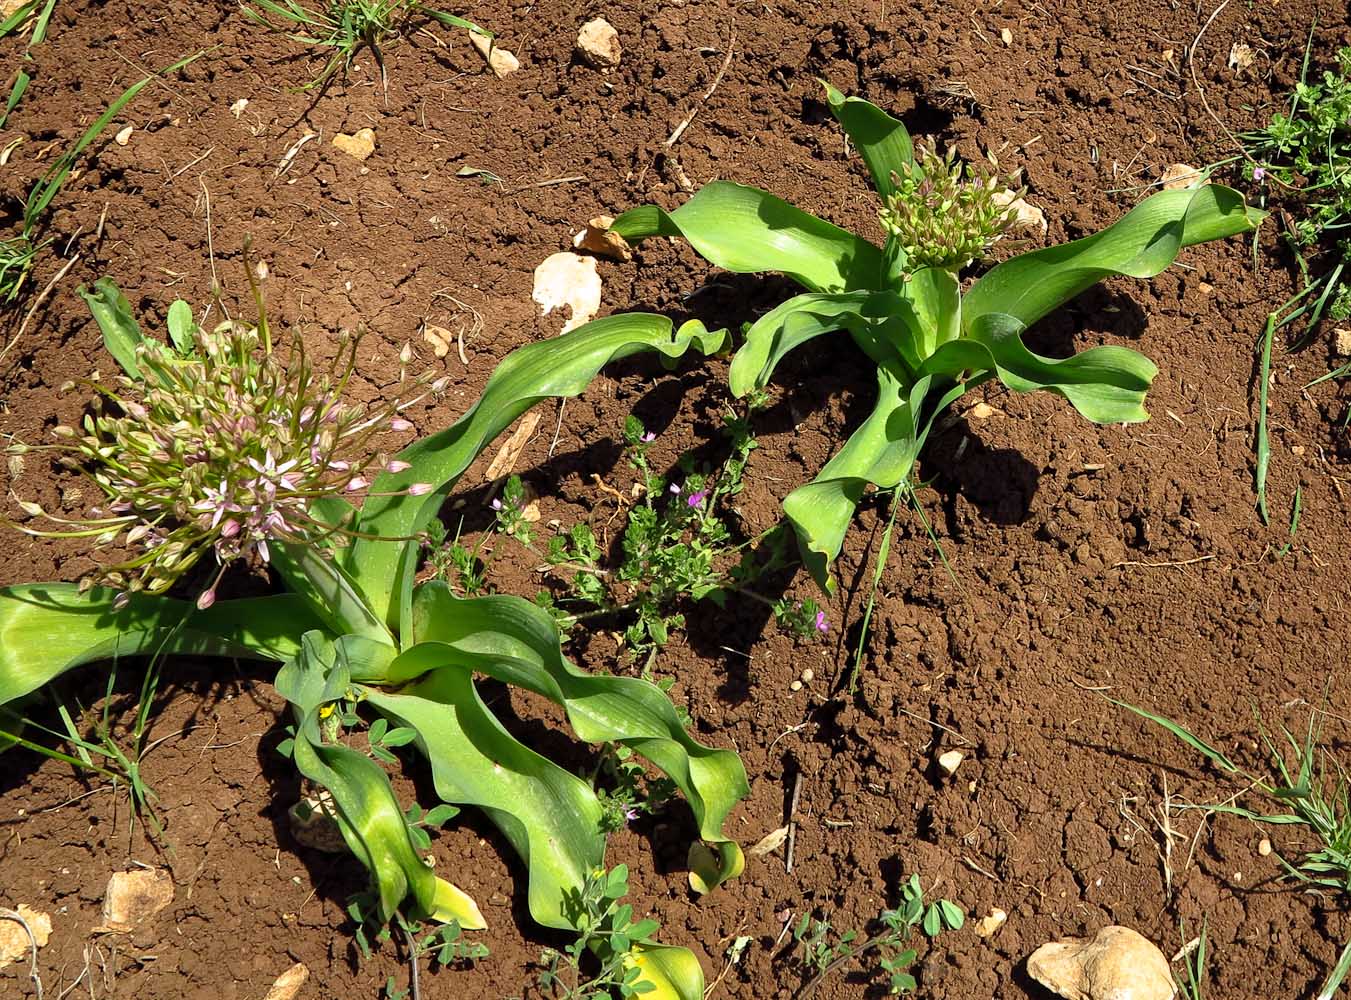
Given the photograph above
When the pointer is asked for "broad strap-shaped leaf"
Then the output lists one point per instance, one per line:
(368, 813)
(746, 230)
(550, 816)
(1106, 384)
(881, 140)
(775, 334)
(516, 642)
(936, 298)
(562, 366)
(1141, 244)
(49, 628)
(673, 973)
(313, 574)
(882, 452)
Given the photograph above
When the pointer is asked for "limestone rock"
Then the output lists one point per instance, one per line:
(134, 897)
(500, 61)
(598, 44)
(15, 944)
(1117, 964)
(360, 144)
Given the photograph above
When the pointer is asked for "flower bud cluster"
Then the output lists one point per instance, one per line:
(944, 213)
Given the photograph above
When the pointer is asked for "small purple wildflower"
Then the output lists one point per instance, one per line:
(649, 437)
(697, 499)
(1259, 173)
(822, 625)
(674, 488)
(630, 814)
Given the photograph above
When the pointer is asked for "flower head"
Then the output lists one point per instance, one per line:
(697, 499)
(946, 214)
(222, 451)
(822, 625)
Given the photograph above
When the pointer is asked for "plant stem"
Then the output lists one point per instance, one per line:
(888, 937)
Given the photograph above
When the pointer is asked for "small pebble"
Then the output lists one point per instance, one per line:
(950, 761)
(1264, 847)
(808, 675)
(795, 686)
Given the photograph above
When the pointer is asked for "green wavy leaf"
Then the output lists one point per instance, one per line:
(563, 366)
(49, 628)
(1107, 384)
(746, 230)
(881, 452)
(550, 816)
(1140, 244)
(516, 642)
(368, 813)
(881, 140)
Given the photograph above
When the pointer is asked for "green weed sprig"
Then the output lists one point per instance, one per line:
(823, 956)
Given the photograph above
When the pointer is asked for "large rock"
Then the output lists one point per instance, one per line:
(1116, 964)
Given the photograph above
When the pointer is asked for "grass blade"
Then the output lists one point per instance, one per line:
(1195, 742)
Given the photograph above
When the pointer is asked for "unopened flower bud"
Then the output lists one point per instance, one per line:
(356, 483)
(400, 424)
(207, 598)
(419, 489)
(397, 466)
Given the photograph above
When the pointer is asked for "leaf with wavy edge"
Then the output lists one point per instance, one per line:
(1106, 384)
(368, 813)
(745, 230)
(551, 817)
(516, 642)
(1141, 244)
(880, 139)
(49, 628)
(561, 366)
(882, 452)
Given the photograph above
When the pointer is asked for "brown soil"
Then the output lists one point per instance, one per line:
(1086, 559)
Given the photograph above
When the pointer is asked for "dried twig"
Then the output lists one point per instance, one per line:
(792, 822)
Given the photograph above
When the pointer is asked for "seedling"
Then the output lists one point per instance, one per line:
(903, 304)
(678, 545)
(613, 946)
(38, 15)
(822, 952)
(1314, 787)
(19, 253)
(223, 427)
(1195, 955)
(1303, 158)
(345, 27)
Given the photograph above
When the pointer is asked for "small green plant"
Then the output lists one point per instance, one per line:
(345, 27)
(195, 452)
(608, 946)
(38, 15)
(1194, 959)
(1303, 158)
(904, 306)
(18, 253)
(822, 952)
(678, 544)
(1313, 786)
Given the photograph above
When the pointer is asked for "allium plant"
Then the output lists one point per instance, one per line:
(221, 447)
(904, 305)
